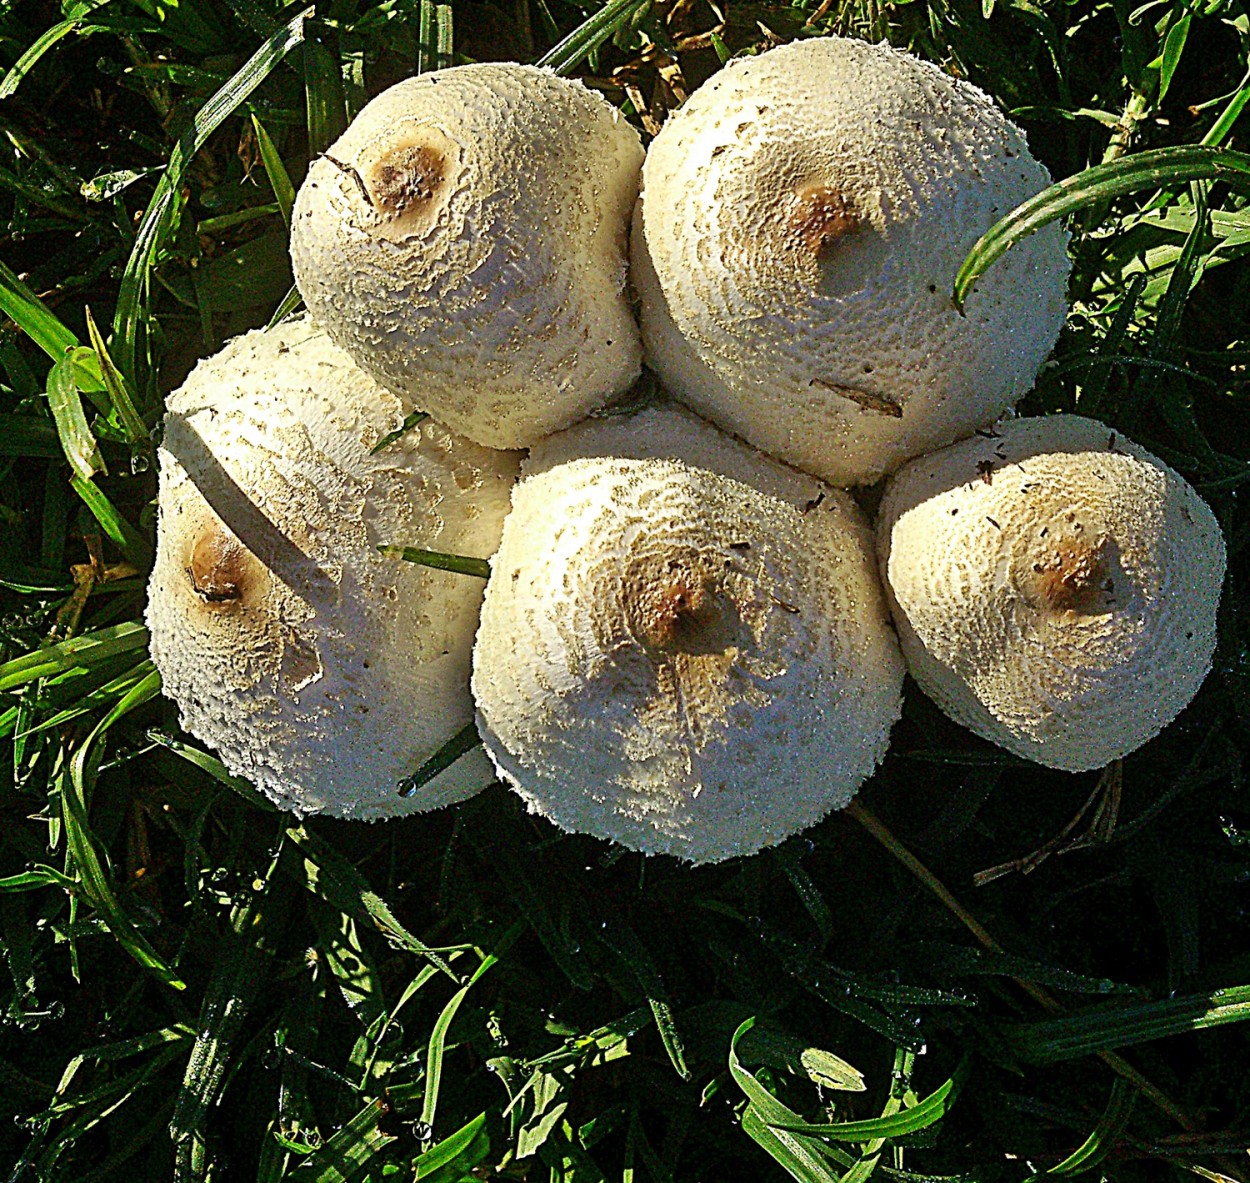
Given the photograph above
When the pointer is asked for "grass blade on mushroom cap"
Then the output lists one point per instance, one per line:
(1101, 183)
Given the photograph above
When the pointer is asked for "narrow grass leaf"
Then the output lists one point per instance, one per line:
(134, 547)
(214, 768)
(131, 423)
(44, 42)
(80, 447)
(330, 876)
(793, 1153)
(275, 170)
(156, 222)
(907, 1121)
(452, 1159)
(461, 564)
(1103, 1137)
(37, 877)
(438, 1036)
(78, 653)
(1170, 57)
(1104, 1028)
(565, 57)
(350, 1150)
(323, 91)
(465, 740)
(406, 426)
(1102, 183)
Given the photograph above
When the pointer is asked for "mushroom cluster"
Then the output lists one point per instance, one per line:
(685, 644)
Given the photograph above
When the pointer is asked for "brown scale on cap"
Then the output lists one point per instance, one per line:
(673, 606)
(1074, 577)
(219, 567)
(820, 218)
(406, 178)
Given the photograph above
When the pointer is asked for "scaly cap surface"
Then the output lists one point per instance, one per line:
(465, 241)
(1055, 587)
(795, 246)
(313, 665)
(684, 646)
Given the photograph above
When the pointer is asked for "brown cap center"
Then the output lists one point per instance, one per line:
(1074, 577)
(405, 178)
(820, 217)
(219, 567)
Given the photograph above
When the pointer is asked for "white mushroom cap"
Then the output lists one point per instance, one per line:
(684, 646)
(795, 247)
(315, 666)
(1055, 587)
(465, 242)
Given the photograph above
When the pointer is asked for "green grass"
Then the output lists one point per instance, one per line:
(198, 987)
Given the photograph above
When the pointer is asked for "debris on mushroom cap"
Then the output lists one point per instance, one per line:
(322, 670)
(1055, 587)
(795, 246)
(684, 646)
(465, 242)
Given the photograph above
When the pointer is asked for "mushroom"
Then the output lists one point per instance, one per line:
(1054, 586)
(315, 666)
(684, 646)
(465, 241)
(801, 223)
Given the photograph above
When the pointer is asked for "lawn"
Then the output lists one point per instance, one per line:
(984, 970)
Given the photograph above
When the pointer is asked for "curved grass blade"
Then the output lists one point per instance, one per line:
(82, 450)
(1102, 183)
(1102, 1029)
(44, 42)
(907, 1121)
(1102, 1138)
(275, 170)
(156, 220)
(33, 316)
(454, 1157)
(565, 57)
(78, 653)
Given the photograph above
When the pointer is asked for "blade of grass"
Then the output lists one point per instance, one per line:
(455, 1157)
(465, 740)
(275, 170)
(565, 57)
(1103, 1137)
(1102, 183)
(44, 42)
(157, 218)
(129, 419)
(134, 547)
(461, 564)
(78, 653)
(81, 449)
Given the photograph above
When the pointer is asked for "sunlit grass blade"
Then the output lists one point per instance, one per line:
(132, 544)
(275, 170)
(45, 41)
(131, 423)
(1103, 1137)
(438, 1036)
(410, 421)
(78, 653)
(91, 701)
(456, 1156)
(349, 1151)
(590, 34)
(132, 297)
(33, 316)
(80, 447)
(290, 302)
(1098, 185)
(906, 1121)
(1100, 1030)
(435, 37)
(333, 878)
(214, 768)
(461, 564)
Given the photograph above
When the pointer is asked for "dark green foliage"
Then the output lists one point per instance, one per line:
(196, 987)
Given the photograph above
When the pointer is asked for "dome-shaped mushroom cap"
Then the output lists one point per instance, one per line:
(465, 241)
(1055, 587)
(684, 646)
(315, 666)
(795, 246)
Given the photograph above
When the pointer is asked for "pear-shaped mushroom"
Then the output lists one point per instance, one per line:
(684, 646)
(465, 242)
(795, 247)
(314, 665)
(1055, 587)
